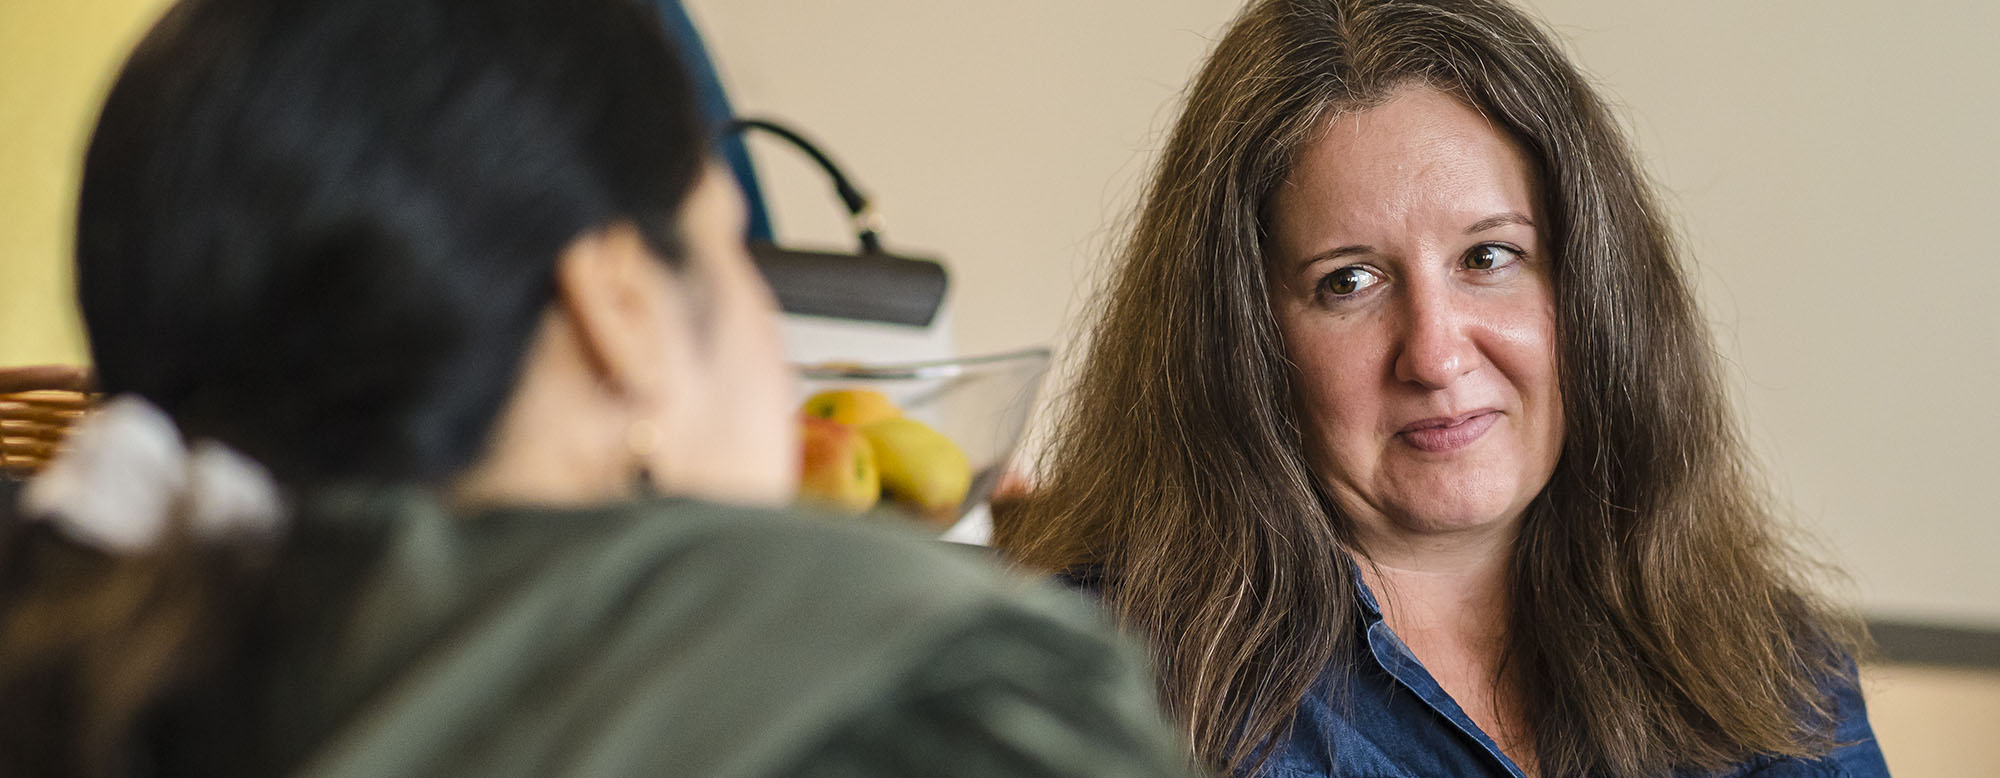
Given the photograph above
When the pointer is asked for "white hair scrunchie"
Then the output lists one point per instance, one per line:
(125, 469)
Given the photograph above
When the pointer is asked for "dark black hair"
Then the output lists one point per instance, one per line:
(324, 231)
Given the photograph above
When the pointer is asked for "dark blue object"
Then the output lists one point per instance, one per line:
(715, 107)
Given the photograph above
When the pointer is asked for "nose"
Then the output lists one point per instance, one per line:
(1437, 345)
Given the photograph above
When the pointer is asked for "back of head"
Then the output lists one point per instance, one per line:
(324, 233)
(1179, 461)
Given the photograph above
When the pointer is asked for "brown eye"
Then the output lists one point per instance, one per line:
(1490, 256)
(1347, 281)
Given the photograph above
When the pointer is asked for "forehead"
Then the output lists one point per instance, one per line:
(1420, 154)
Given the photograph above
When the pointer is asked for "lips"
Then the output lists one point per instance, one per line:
(1444, 434)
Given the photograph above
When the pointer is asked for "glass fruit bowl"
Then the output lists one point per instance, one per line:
(927, 439)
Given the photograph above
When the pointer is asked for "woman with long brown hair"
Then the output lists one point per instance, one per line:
(1401, 438)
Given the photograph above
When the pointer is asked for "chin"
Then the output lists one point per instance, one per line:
(1447, 523)
(1459, 496)
(1464, 514)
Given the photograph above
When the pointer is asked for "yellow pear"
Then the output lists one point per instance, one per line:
(855, 407)
(837, 467)
(920, 467)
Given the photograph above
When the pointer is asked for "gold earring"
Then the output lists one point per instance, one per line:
(642, 440)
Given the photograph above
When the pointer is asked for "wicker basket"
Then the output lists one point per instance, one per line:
(38, 406)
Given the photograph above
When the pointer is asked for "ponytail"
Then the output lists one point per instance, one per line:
(127, 577)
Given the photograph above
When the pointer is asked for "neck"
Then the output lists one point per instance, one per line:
(1454, 588)
(545, 477)
(560, 441)
(1469, 602)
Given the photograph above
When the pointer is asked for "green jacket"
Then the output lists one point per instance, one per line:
(678, 638)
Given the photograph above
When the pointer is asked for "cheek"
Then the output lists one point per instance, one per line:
(1337, 370)
(761, 379)
(1526, 349)
(1527, 354)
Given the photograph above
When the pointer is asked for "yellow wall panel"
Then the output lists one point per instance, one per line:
(57, 58)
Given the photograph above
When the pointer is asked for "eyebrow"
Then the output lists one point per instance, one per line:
(1500, 219)
(1343, 251)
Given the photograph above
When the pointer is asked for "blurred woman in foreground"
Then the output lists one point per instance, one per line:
(1401, 438)
(443, 294)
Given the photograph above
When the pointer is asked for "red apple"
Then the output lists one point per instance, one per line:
(837, 466)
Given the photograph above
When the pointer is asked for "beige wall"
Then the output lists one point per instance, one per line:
(1005, 136)
(1835, 173)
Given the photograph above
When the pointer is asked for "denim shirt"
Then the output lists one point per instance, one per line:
(1388, 718)
(1384, 716)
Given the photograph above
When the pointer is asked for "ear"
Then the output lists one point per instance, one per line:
(622, 302)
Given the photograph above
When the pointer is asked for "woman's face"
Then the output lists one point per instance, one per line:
(731, 434)
(1412, 284)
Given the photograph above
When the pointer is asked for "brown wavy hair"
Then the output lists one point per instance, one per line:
(1662, 618)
